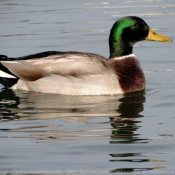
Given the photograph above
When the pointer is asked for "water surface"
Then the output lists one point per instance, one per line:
(48, 133)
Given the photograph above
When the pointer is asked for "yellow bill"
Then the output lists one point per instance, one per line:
(153, 36)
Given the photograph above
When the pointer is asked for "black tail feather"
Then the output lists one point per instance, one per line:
(7, 82)
(3, 58)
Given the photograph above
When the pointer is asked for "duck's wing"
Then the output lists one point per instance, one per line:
(63, 63)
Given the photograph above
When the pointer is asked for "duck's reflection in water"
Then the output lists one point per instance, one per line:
(95, 114)
(120, 111)
(125, 124)
(31, 105)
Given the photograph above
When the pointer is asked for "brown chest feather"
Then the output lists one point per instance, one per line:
(130, 74)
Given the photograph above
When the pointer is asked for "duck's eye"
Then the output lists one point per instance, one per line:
(137, 25)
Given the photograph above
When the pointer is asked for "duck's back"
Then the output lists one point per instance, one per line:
(70, 73)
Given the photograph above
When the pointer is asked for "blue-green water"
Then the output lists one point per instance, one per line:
(48, 133)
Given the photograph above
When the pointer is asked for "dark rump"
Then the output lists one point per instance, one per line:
(7, 82)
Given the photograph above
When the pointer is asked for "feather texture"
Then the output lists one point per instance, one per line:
(69, 85)
(71, 74)
(65, 65)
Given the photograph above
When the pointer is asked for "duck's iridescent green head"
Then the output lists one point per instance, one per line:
(127, 31)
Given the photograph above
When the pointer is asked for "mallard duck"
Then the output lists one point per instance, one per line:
(79, 73)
